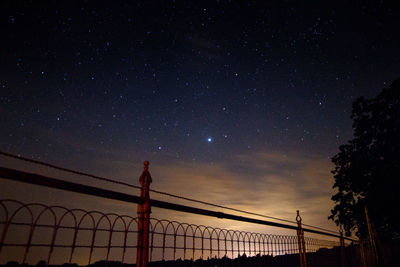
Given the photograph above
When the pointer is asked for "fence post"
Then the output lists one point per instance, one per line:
(143, 212)
(301, 241)
(371, 236)
(342, 249)
(362, 253)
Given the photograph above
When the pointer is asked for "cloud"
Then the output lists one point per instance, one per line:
(268, 183)
(272, 183)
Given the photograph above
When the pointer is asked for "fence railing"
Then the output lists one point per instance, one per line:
(60, 234)
(75, 235)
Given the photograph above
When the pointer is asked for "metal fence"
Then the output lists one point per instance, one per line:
(55, 234)
(58, 234)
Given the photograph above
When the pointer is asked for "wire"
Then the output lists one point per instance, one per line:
(152, 190)
(238, 210)
(68, 170)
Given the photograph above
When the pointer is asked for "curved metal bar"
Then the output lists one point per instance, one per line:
(189, 240)
(117, 218)
(55, 227)
(214, 233)
(238, 235)
(246, 235)
(252, 237)
(126, 235)
(153, 231)
(71, 212)
(210, 237)
(180, 226)
(258, 238)
(170, 223)
(89, 213)
(224, 232)
(105, 216)
(198, 227)
(231, 239)
(7, 220)
(25, 206)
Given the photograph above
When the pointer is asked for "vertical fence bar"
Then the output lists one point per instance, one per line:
(342, 249)
(278, 246)
(301, 242)
(143, 212)
(371, 236)
(362, 253)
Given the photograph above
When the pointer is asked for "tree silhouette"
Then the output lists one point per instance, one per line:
(367, 168)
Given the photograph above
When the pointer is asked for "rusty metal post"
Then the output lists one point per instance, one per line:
(301, 241)
(342, 248)
(143, 212)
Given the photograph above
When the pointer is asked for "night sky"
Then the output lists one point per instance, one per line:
(238, 103)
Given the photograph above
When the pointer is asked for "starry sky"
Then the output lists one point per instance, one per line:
(241, 103)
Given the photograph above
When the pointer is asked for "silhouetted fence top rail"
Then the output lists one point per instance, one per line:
(18, 157)
(37, 179)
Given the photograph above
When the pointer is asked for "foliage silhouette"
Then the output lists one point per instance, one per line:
(367, 168)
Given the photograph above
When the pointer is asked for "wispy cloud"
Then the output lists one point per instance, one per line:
(268, 183)
(272, 183)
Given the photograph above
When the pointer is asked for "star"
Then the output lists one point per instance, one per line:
(244, 82)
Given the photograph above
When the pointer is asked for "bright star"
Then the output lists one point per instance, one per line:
(209, 139)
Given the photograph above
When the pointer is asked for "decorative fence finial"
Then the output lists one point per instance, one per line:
(298, 217)
(146, 164)
(301, 241)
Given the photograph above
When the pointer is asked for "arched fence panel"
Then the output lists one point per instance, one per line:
(33, 232)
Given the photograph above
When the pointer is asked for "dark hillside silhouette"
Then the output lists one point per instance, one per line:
(323, 257)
